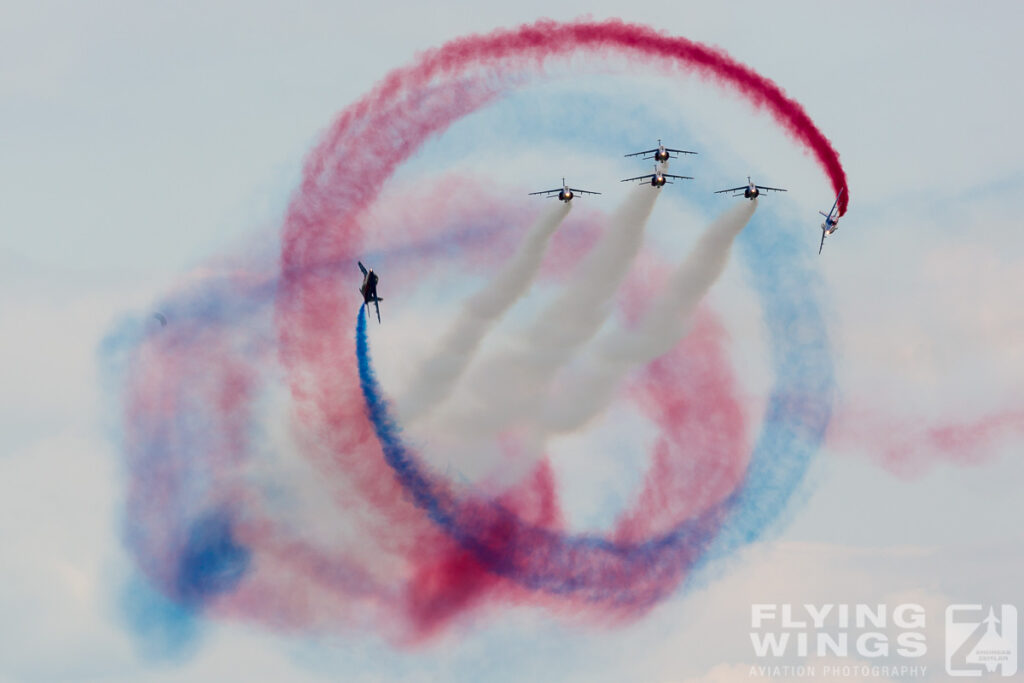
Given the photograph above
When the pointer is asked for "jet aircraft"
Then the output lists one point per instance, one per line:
(369, 289)
(831, 223)
(660, 153)
(750, 190)
(564, 193)
(658, 178)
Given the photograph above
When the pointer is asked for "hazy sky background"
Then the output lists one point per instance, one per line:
(140, 141)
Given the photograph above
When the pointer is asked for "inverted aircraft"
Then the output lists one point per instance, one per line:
(831, 223)
(658, 178)
(750, 190)
(660, 153)
(564, 193)
(369, 289)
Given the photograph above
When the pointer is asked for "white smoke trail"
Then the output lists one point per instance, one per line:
(502, 389)
(438, 374)
(590, 390)
(545, 402)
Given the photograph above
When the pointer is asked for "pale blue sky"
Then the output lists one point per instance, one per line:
(141, 141)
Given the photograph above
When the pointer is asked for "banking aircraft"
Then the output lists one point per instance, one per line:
(369, 289)
(831, 223)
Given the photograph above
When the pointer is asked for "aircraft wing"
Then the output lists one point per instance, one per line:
(821, 246)
(362, 267)
(576, 189)
(681, 177)
(775, 189)
(557, 189)
(731, 189)
(639, 177)
(636, 154)
(376, 305)
(678, 151)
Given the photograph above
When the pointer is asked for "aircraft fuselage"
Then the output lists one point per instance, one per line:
(369, 288)
(831, 223)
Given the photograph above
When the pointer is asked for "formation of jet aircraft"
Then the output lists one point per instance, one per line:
(657, 179)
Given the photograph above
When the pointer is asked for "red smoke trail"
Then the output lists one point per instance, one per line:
(371, 126)
(296, 583)
(348, 168)
(417, 581)
(911, 447)
(690, 394)
(347, 172)
(193, 423)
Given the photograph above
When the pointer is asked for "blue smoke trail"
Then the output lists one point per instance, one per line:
(797, 415)
(586, 566)
(800, 403)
